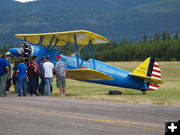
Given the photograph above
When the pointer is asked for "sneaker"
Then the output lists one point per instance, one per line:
(8, 92)
(63, 94)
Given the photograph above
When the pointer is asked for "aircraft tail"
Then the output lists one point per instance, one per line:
(156, 73)
(150, 71)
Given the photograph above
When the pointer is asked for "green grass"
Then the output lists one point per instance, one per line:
(168, 94)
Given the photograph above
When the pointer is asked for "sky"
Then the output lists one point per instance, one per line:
(25, 1)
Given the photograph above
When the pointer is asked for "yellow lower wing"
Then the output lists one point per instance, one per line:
(147, 78)
(87, 74)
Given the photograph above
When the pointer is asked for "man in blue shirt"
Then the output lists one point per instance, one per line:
(22, 77)
(3, 74)
(8, 82)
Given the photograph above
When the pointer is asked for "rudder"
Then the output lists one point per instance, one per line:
(150, 70)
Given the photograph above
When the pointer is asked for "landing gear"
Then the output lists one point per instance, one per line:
(144, 92)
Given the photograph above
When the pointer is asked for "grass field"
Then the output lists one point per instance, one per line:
(168, 94)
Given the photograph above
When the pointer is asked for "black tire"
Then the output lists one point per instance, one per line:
(114, 92)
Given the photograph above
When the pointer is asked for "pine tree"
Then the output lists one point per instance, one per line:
(145, 38)
(166, 36)
(176, 36)
(157, 37)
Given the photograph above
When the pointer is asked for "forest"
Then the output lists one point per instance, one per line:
(164, 47)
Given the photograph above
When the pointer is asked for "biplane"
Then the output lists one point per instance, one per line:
(145, 77)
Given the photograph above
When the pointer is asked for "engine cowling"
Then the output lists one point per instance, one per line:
(27, 50)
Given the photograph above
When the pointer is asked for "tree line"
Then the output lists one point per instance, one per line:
(164, 47)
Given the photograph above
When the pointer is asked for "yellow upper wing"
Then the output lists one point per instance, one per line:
(87, 74)
(82, 37)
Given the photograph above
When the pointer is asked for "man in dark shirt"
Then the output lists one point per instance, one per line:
(36, 80)
(32, 75)
(41, 75)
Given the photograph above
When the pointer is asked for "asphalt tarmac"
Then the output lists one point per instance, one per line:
(43, 115)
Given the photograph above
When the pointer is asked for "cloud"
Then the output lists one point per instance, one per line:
(25, 1)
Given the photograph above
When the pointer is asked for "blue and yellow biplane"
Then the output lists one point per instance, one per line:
(145, 77)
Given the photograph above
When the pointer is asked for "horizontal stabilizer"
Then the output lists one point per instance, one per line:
(149, 71)
(87, 75)
(148, 79)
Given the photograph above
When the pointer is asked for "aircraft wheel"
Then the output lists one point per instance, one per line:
(144, 92)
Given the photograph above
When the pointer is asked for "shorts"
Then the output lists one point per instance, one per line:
(60, 82)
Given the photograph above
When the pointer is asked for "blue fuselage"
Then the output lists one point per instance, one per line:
(120, 76)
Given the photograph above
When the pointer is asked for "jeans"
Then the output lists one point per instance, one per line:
(42, 86)
(3, 79)
(22, 84)
(8, 84)
(33, 85)
(48, 85)
(37, 82)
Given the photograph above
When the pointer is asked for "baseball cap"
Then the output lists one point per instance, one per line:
(43, 57)
(9, 54)
(48, 57)
(58, 56)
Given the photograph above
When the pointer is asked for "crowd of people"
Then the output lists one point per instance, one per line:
(26, 75)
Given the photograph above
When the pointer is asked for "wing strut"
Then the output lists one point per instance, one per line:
(57, 40)
(50, 43)
(92, 52)
(76, 51)
(41, 40)
(85, 53)
(89, 46)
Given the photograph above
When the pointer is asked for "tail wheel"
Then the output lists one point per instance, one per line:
(144, 92)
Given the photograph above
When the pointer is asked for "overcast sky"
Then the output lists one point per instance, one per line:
(24, 1)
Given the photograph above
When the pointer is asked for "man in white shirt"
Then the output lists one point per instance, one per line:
(48, 75)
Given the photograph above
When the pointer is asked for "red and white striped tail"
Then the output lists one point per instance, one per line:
(156, 73)
(153, 87)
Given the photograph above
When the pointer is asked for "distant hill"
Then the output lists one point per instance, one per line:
(114, 19)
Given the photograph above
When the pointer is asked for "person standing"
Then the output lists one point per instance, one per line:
(41, 75)
(22, 77)
(32, 75)
(48, 75)
(61, 70)
(14, 75)
(3, 74)
(8, 82)
(36, 78)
